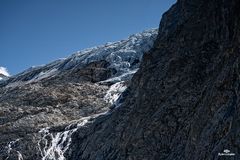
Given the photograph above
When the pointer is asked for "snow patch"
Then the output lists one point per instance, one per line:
(114, 92)
(123, 77)
(4, 71)
(42, 75)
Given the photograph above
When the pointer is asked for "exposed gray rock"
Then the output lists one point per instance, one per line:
(183, 103)
(43, 106)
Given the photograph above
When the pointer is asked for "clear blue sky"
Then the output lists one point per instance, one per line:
(35, 32)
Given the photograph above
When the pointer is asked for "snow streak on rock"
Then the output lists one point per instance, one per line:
(53, 145)
(11, 150)
(115, 91)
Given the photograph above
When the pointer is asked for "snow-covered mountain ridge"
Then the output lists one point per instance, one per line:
(122, 56)
(43, 106)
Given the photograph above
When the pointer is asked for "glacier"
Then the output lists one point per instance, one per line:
(122, 58)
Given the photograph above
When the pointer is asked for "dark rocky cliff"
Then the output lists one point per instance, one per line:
(183, 103)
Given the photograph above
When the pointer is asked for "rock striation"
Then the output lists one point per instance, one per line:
(183, 102)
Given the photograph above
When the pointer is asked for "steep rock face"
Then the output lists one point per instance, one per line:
(183, 103)
(41, 107)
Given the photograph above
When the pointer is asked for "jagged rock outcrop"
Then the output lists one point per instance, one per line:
(183, 103)
(41, 107)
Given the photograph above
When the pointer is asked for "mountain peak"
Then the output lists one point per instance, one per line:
(3, 73)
